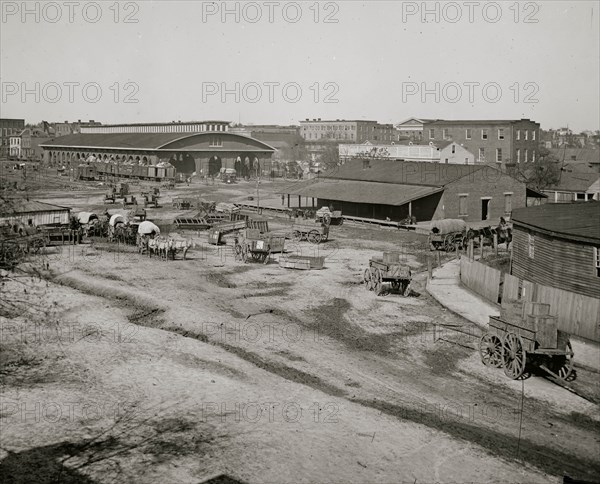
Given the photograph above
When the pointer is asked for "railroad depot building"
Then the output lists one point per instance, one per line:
(201, 147)
(558, 245)
(394, 190)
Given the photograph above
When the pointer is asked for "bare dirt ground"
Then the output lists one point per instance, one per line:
(153, 371)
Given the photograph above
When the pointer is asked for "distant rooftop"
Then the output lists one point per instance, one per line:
(478, 121)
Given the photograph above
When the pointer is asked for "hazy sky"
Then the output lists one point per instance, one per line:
(176, 58)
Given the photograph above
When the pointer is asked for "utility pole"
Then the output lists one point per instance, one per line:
(257, 191)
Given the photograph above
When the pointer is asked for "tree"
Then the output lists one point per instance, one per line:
(544, 172)
(330, 159)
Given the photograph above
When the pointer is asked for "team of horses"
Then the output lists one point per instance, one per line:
(163, 247)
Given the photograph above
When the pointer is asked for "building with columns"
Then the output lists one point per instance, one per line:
(192, 147)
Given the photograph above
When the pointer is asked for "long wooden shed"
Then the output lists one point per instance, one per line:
(558, 245)
(32, 212)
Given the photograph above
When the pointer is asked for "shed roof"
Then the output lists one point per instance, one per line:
(361, 191)
(575, 221)
(404, 172)
(30, 206)
(575, 181)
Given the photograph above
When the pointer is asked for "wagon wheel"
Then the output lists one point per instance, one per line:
(407, 289)
(326, 219)
(314, 237)
(396, 285)
(448, 242)
(341, 222)
(565, 371)
(373, 273)
(256, 256)
(237, 252)
(490, 350)
(266, 256)
(297, 236)
(245, 253)
(367, 278)
(513, 356)
(377, 282)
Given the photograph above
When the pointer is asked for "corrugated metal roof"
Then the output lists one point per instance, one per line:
(29, 206)
(404, 172)
(361, 191)
(577, 221)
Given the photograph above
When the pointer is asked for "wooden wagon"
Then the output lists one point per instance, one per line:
(514, 342)
(387, 270)
(302, 262)
(446, 234)
(328, 217)
(251, 245)
(314, 233)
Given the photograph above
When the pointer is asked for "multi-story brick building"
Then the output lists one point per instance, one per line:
(319, 135)
(503, 142)
(9, 127)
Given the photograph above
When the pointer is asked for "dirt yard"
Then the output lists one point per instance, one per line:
(141, 370)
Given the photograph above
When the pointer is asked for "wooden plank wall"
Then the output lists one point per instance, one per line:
(510, 288)
(577, 314)
(482, 279)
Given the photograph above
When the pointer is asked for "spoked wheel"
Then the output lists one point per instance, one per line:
(266, 257)
(565, 371)
(490, 350)
(377, 282)
(367, 279)
(297, 236)
(513, 356)
(314, 237)
(256, 256)
(396, 286)
(448, 243)
(407, 289)
(238, 252)
(245, 254)
(326, 219)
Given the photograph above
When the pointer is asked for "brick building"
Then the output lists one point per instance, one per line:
(503, 142)
(319, 134)
(389, 189)
(8, 128)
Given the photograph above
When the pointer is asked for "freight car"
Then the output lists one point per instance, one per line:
(124, 170)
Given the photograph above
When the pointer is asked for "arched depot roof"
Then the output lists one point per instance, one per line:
(209, 141)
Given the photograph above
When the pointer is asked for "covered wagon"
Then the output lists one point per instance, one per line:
(445, 234)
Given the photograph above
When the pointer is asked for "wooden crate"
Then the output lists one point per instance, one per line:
(301, 262)
(391, 257)
(512, 311)
(546, 328)
(536, 309)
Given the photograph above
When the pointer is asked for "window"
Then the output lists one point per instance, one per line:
(508, 203)
(453, 149)
(216, 141)
(525, 156)
(532, 155)
(530, 245)
(498, 155)
(518, 134)
(462, 205)
(366, 164)
(445, 133)
(484, 134)
(526, 135)
(432, 134)
(518, 155)
(481, 154)
(468, 133)
(446, 160)
(597, 260)
(533, 135)
(500, 133)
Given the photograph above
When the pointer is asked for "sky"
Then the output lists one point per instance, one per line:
(277, 62)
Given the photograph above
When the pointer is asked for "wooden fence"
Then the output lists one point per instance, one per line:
(482, 279)
(577, 314)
